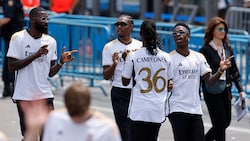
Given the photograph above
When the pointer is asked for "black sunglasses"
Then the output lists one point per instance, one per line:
(120, 23)
(179, 32)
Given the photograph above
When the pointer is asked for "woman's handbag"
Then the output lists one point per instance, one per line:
(216, 88)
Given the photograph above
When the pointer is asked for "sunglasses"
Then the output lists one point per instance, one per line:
(43, 19)
(120, 23)
(220, 29)
(179, 32)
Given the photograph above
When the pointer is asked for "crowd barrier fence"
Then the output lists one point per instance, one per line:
(89, 34)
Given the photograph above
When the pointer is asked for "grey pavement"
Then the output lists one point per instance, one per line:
(9, 121)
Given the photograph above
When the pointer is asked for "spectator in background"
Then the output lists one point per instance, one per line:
(30, 4)
(246, 3)
(64, 6)
(113, 59)
(215, 48)
(222, 8)
(150, 70)
(32, 55)
(76, 122)
(12, 21)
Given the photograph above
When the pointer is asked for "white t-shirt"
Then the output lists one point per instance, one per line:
(31, 82)
(60, 127)
(148, 99)
(108, 51)
(186, 82)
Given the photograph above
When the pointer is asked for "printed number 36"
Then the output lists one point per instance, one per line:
(153, 83)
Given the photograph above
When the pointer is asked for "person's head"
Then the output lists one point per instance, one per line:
(124, 25)
(77, 99)
(39, 19)
(149, 36)
(181, 35)
(216, 28)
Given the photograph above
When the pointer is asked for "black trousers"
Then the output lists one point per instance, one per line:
(219, 108)
(143, 131)
(21, 113)
(120, 98)
(7, 76)
(187, 127)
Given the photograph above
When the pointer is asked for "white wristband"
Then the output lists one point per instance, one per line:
(59, 63)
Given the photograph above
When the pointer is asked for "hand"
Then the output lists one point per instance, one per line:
(66, 56)
(170, 85)
(115, 57)
(43, 51)
(243, 100)
(225, 64)
(124, 54)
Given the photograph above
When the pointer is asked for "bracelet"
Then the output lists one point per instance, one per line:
(59, 63)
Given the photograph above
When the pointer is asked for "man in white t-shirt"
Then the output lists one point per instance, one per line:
(32, 55)
(184, 106)
(114, 53)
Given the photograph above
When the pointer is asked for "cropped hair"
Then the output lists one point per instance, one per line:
(35, 10)
(130, 19)
(184, 25)
(209, 33)
(77, 99)
(150, 37)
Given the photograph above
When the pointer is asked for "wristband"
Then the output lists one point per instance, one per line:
(59, 63)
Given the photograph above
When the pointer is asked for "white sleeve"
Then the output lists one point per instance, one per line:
(106, 56)
(205, 68)
(14, 47)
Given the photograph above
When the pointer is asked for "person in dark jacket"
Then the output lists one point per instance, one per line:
(214, 49)
(12, 21)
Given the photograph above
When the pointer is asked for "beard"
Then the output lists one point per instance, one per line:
(42, 28)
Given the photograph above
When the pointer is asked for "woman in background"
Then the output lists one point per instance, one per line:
(214, 49)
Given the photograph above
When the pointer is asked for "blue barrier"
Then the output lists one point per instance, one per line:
(88, 39)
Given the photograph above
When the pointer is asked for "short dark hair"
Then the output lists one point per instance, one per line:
(35, 10)
(184, 25)
(129, 18)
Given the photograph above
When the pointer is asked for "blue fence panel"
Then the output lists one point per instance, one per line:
(89, 39)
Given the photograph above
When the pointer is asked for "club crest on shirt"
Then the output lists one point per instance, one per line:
(10, 3)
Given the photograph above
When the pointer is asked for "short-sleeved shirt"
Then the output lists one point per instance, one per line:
(60, 127)
(152, 72)
(108, 51)
(186, 80)
(31, 82)
(13, 9)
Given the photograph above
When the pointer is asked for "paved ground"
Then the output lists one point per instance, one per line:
(9, 122)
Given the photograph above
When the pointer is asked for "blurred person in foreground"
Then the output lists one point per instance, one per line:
(113, 59)
(215, 48)
(32, 55)
(11, 22)
(76, 122)
(184, 105)
(150, 70)
(3, 137)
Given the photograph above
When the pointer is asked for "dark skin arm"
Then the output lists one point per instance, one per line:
(224, 64)
(108, 71)
(16, 64)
